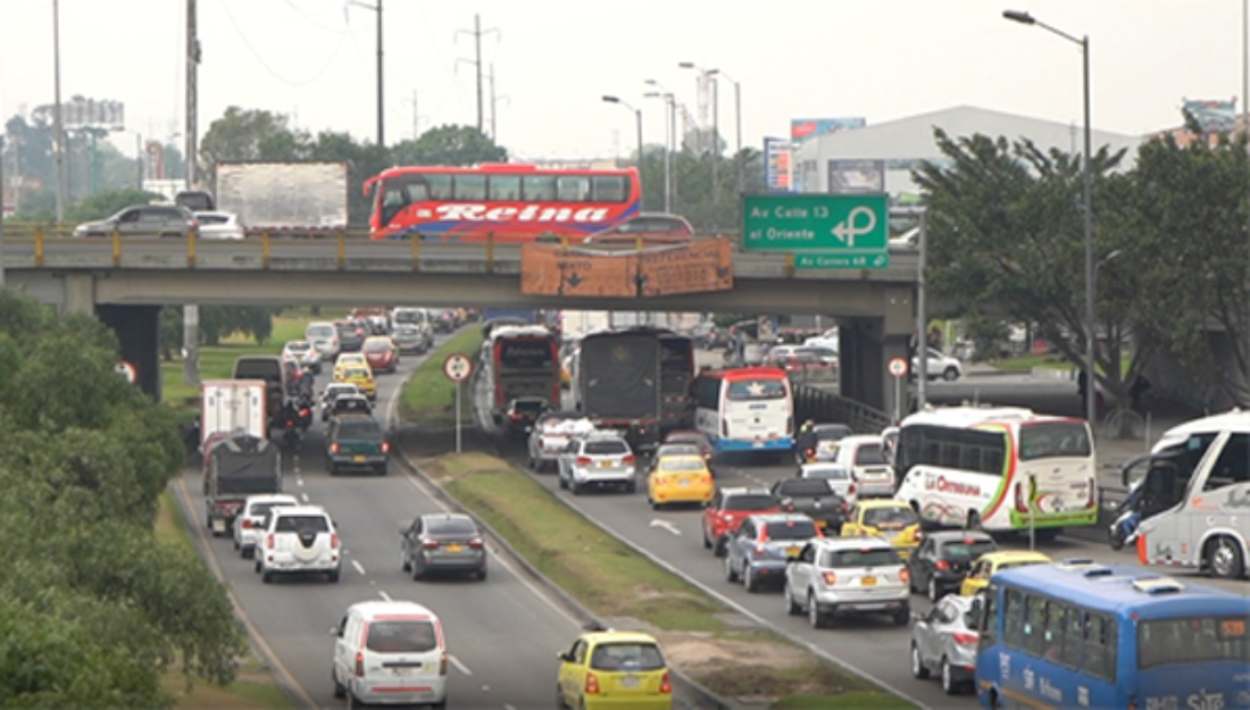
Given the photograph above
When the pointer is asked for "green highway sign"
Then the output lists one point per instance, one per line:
(824, 231)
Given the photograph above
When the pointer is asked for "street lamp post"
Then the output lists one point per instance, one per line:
(670, 140)
(637, 120)
(1090, 325)
(705, 75)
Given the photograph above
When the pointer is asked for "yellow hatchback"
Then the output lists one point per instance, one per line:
(347, 361)
(614, 669)
(362, 377)
(891, 520)
(991, 562)
(682, 478)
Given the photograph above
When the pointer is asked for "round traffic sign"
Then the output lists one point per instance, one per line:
(898, 367)
(126, 370)
(457, 367)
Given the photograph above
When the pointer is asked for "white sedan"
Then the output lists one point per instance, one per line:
(220, 225)
(939, 365)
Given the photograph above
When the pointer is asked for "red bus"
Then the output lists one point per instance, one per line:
(521, 366)
(514, 202)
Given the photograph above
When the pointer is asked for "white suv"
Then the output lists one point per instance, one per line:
(324, 338)
(834, 576)
(864, 455)
(248, 523)
(939, 365)
(299, 539)
(597, 459)
(390, 652)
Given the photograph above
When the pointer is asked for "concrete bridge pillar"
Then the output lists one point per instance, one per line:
(138, 330)
(79, 296)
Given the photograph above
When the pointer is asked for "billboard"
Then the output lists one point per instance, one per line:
(803, 128)
(296, 194)
(80, 112)
(856, 176)
(778, 165)
(1212, 116)
(697, 267)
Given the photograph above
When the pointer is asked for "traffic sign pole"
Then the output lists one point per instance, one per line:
(457, 416)
(457, 367)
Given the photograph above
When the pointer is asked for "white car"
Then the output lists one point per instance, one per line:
(303, 353)
(840, 478)
(821, 341)
(600, 458)
(551, 434)
(939, 365)
(220, 225)
(299, 539)
(834, 576)
(247, 524)
(324, 337)
(390, 652)
(864, 455)
(333, 391)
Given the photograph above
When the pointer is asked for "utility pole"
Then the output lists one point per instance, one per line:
(139, 157)
(381, 119)
(477, 33)
(494, 107)
(62, 189)
(416, 131)
(1, 210)
(191, 311)
(715, 139)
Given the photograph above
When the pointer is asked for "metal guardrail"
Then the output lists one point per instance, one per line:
(820, 406)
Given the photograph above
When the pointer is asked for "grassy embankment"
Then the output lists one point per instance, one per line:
(701, 636)
(428, 398)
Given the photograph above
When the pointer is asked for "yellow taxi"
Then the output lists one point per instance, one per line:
(361, 376)
(989, 563)
(681, 478)
(614, 669)
(349, 360)
(891, 520)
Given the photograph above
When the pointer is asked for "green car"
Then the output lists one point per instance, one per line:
(356, 442)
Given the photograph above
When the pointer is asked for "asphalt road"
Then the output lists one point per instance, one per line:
(502, 633)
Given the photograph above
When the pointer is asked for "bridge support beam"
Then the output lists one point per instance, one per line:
(79, 296)
(138, 330)
(864, 350)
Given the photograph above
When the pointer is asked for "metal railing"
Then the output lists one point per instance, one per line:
(821, 406)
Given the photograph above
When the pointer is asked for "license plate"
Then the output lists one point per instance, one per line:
(455, 548)
(358, 459)
(684, 482)
(629, 681)
(868, 581)
(605, 464)
(219, 525)
(792, 551)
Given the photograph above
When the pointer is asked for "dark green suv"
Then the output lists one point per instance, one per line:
(356, 442)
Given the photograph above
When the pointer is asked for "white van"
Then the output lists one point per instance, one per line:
(390, 652)
(864, 455)
(1210, 527)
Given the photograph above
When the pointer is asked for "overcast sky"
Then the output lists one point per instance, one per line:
(881, 59)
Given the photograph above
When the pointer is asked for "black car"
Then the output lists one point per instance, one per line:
(944, 558)
(356, 442)
(351, 336)
(813, 497)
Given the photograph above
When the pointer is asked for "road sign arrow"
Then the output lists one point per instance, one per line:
(847, 230)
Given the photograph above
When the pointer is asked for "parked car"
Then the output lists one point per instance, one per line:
(890, 520)
(864, 454)
(302, 352)
(841, 479)
(945, 558)
(299, 539)
(333, 391)
(410, 339)
(390, 652)
(835, 576)
(729, 507)
(220, 225)
(758, 552)
(381, 353)
(939, 365)
(351, 336)
(324, 337)
(607, 668)
(247, 524)
(597, 459)
(679, 479)
(355, 442)
(551, 434)
(142, 221)
(813, 497)
(944, 641)
(443, 542)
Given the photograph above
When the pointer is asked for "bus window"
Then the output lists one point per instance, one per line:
(1233, 465)
(1192, 640)
(1052, 638)
(469, 187)
(1053, 440)
(608, 188)
(1014, 619)
(573, 188)
(1034, 625)
(746, 390)
(1073, 639)
(505, 187)
(540, 188)
(438, 185)
(1100, 642)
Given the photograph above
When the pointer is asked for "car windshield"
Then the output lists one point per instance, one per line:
(377, 346)
(864, 557)
(209, 218)
(356, 373)
(966, 549)
(259, 509)
(302, 524)
(320, 331)
(677, 450)
(869, 454)
(832, 473)
(401, 637)
(804, 487)
(609, 447)
(750, 501)
(1054, 440)
(359, 428)
(1193, 640)
(451, 526)
(900, 516)
(626, 657)
(790, 530)
(298, 346)
(681, 464)
(753, 390)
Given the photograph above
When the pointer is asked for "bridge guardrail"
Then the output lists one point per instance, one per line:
(818, 405)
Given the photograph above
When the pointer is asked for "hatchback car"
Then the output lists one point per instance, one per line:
(679, 479)
(381, 353)
(324, 337)
(356, 442)
(945, 558)
(391, 652)
(551, 434)
(247, 526)
(142, 221)
(991, 563)
(865, 456)
(299, 539)
(598, 459)
(303, 353)
(813, 497)
(346, 360)
(890, 520)
(220, 225)
(351, 336)
(944, 641)
(333, 391)
(614, 669)
(729, 507)
(939, 365)
(758, 553)
(410, 339)
(841, 479)
(443, 542)
(351, 403)
(837, 576)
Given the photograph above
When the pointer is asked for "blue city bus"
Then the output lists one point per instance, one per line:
(1085, 635)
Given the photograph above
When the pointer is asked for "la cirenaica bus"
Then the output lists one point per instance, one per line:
(513, 202)
(745, 409)
(520, 363)
(1082, 635)
(998, 469)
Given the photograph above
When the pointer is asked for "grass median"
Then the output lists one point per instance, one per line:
(429, 398)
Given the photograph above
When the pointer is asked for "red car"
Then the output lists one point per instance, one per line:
(729, 507)
(381, 354)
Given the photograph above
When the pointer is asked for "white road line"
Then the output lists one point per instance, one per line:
(508, 707)
(299, 482)
(359, 568)
(304, 497)
(382, 593)
(657, 523)
(459, 666)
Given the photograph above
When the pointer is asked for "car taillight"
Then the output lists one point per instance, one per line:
(1022, 505)
(592, 684)
(360, 664)
(386, 447)
(851, 489)
(727, 517)
(629, 460)
(442, 665)
(246, 524)
(904, 576)
(429, 544)
(829, 578)
(942, 565)
(964, 639)
(335, 448)
(809, 453)
(1142, 551)
(305, 412)
(666, 685)
(269, 541)
(583, 461)
(476, 543)
(334, 541)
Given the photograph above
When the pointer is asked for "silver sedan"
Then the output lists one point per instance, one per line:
(944, 641)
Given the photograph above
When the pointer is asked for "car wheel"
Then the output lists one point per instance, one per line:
(266, 576)
(563, 483)
(748, 579)
(1224, 558)
(248, 552)
(707, 544)
(481, 574)
(902, 616)
(256, 567)
(950, 374)
(333, 577)
(340, 690)
(382, 470)
(631, 487)
(577, 488)
(935, 592)
(814, 616)
(236, 545)
(718, 549)
(404, 563)
(917, 664)
(792, 607)
(948, 681)
(731, 574)
(416, 572)
(334, 470)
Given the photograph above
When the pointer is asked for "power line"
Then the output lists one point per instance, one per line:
(343, 36)
(299, 11)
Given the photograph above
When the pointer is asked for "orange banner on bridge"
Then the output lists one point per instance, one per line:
(690, 268)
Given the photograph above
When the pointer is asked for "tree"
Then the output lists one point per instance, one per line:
(251, 134)
(106, 204)
(449, 145)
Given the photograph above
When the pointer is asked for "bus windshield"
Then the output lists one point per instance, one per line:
(1053, 440)
(528, 354)
(752, 390)
(1192, 640)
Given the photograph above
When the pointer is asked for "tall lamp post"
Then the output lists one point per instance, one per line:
(637, 120)
(377, 8)
(671, 131)
(1090, 325)
(712, 75)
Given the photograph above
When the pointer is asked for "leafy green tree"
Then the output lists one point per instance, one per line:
(105, 204)
(251, 134)
(449, 145)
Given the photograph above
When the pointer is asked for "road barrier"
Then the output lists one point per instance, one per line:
(820, 406)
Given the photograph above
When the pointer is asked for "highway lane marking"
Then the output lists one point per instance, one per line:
(459, 666)
(657, 523)
(304, 497)
(357, 565)
(508, 707)
(382, 593)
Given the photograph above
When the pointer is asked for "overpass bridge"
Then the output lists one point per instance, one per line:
(125, 281)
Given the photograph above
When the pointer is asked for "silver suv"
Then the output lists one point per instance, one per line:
(847, 575)
(597, 459)
(142, 220)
